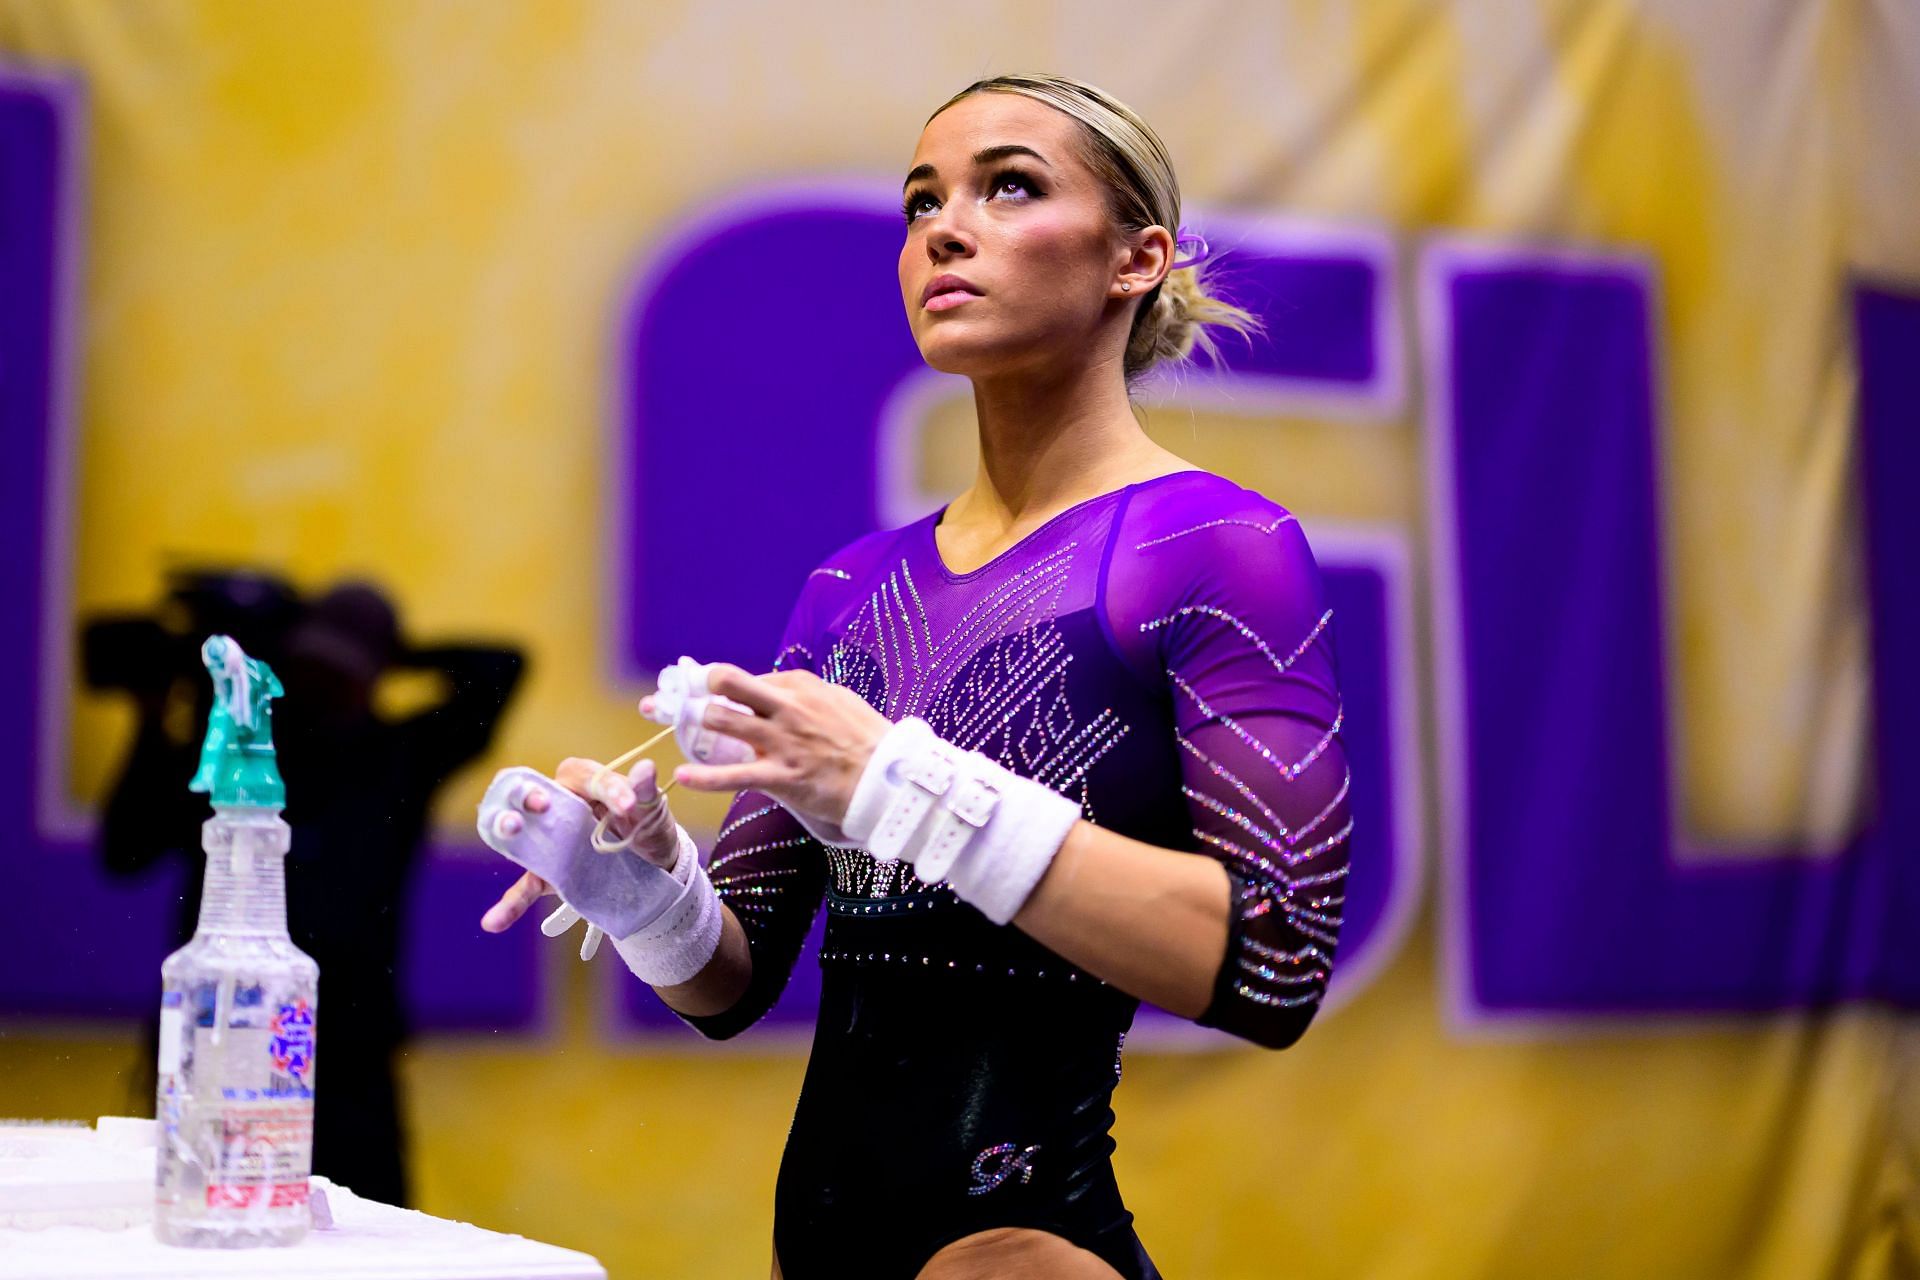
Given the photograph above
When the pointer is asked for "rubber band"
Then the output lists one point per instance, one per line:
(616, 765)
(626, 758)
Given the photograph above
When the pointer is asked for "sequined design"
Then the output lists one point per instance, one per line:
(1267, 526)
(1253, 637)
(780, 659)
(994, 682)
(761, 865)
(1148, 640)
(1061, 972)
(1288, 771)
(1280, 870)
(732, 856)
(742, 820)
(1166, 658)
(1000, 1162)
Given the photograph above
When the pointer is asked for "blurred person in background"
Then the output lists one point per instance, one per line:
(360, 790)
(1115, 666)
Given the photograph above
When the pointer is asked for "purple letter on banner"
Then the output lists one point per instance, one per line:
(67, 950)
(727, 406)
(1568, 897)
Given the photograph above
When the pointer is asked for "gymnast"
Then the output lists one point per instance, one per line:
(1068, 743)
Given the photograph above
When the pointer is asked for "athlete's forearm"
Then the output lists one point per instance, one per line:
(718, 986)
(1150, 921)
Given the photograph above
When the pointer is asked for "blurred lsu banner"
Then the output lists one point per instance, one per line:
(1593, 369)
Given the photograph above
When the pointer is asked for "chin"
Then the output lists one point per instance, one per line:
(968, 355)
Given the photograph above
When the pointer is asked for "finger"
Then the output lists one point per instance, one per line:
(754, 775)
(755, 692)
(593, 781)
(604, 839)
(537, 801)
(649, 801)
(513, 904)
(563, 918)
(646, 706)
(646, 813)
(507, 824)
(650, 832)
(755, 731)
(591, 943)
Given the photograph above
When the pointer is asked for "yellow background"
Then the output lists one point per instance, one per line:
(350, 276)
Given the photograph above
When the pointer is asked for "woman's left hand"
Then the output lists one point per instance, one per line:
(812, 740)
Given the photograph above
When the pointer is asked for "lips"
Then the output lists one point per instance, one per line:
(946, 284)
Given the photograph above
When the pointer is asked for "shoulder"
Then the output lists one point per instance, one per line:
(830, 588)
(1192, 553)
(852, 563)
(1202, 521)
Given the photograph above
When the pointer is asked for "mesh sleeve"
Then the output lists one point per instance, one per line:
(769, 872)
(1230, 613)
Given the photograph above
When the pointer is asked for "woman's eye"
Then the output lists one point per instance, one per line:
(1014, 185)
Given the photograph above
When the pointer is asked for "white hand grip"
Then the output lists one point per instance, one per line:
(681, 700)
(621, 893)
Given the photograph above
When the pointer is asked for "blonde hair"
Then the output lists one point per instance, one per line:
(1129, 158)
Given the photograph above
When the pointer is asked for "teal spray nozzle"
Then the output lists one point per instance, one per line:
(237, 764)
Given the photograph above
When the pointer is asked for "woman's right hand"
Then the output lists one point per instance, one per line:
(637, 808)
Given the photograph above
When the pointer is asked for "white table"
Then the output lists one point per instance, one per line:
(104, 1178)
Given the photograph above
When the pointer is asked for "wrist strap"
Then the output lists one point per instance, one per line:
(958, 817)
(680, 941)
(968, 809)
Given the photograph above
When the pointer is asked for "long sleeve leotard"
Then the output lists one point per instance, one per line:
(1164, 654)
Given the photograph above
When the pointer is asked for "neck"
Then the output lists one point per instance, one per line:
(1050, 438)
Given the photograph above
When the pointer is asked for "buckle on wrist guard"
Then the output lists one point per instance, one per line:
(932, 771)
(974, 801)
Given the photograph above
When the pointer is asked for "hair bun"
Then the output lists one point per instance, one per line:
(1174, 318)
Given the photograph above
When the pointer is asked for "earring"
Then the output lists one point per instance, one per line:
(1126, 285)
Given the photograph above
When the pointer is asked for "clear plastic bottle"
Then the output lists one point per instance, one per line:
(238, 1002)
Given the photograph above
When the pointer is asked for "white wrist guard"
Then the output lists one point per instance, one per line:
(959, 817)
(677, 944)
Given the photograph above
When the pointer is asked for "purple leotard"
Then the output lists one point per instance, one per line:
(1163, 653)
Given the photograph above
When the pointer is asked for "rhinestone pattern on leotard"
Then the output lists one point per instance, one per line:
(987, 660)
(995, 682)
(1163, 656)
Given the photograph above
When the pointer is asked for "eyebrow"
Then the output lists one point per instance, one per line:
(986, 155)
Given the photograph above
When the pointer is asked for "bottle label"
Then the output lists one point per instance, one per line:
(266, 1141)
(172, 1023)
(264, 1154)
(238, 1063)
(271, 1058)
(291, 1046)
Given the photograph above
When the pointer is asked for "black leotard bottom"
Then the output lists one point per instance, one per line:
(938, 1104)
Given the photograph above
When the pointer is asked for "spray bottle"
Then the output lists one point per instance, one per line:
(238, 1002)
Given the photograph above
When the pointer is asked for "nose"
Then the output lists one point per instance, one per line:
(948, 236)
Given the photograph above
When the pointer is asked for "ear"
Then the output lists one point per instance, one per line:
(1146, 257)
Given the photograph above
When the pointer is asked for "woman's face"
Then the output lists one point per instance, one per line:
(999, 201)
